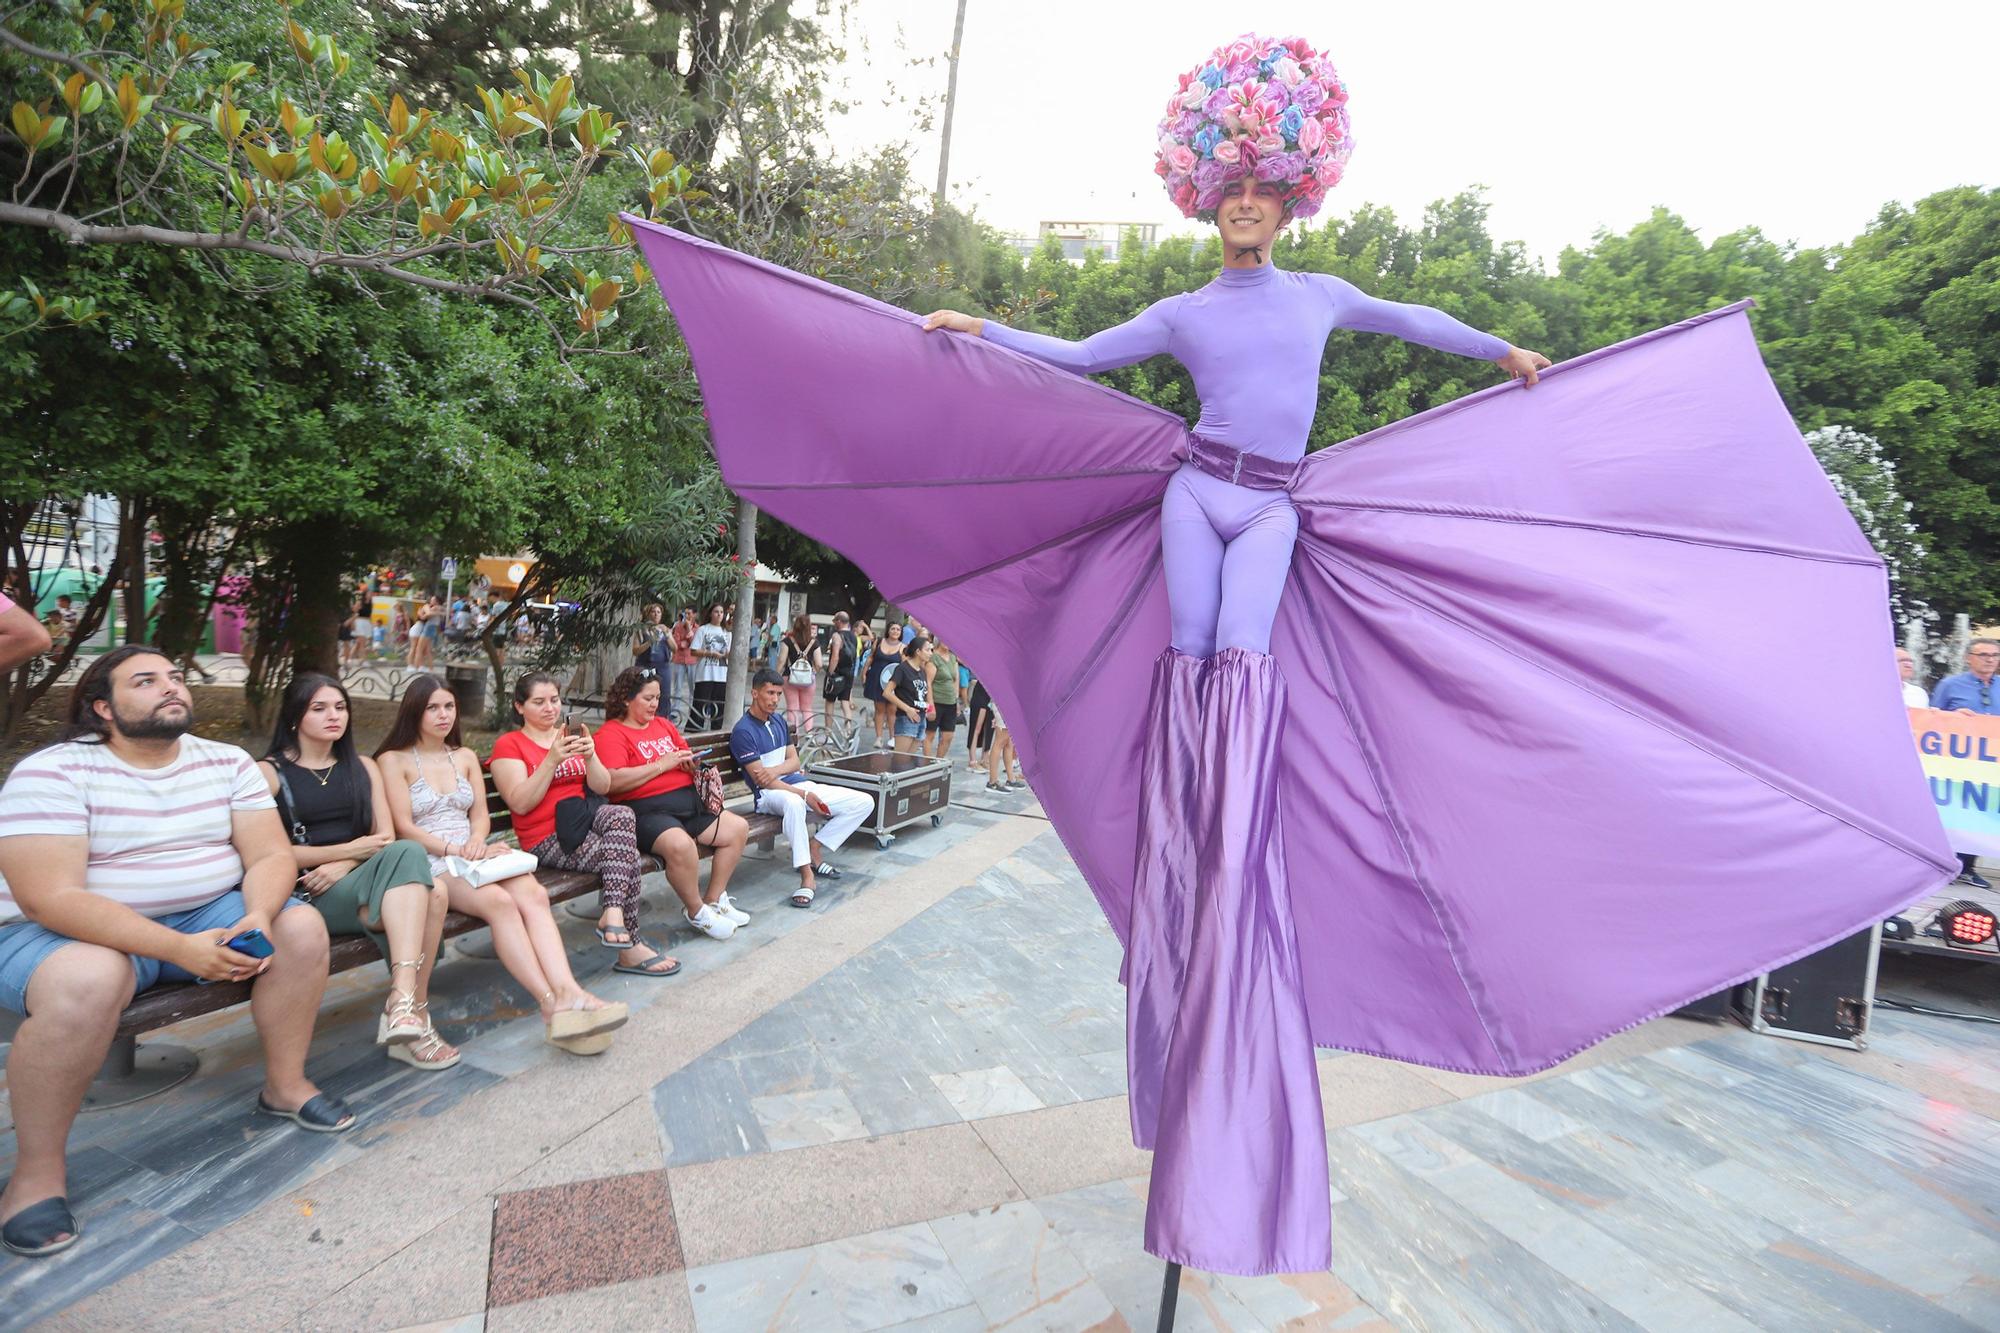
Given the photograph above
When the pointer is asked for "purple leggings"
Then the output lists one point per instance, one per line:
(1228, 552)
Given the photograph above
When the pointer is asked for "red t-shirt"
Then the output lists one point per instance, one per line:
(620, 746)
(538, 825)
(683, 636)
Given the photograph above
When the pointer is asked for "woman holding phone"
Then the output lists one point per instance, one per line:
(652, 772)
(352, 867)
(547, 762)
(435, 794)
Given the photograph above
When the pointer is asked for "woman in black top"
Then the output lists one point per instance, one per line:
(796, 649)
(351, 868)
(909, 693)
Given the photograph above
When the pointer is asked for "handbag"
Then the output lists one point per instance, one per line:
(708, 787)
(574, 817)
(494, 868)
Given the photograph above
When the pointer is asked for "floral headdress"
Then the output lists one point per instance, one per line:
(1265, 107)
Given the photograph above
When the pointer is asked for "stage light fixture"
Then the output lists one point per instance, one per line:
(1966, 924)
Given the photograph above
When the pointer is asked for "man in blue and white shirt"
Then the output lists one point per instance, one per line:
(1972, 690)
(762, 744)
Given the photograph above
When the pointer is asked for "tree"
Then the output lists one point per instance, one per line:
(138, 131)
(1864, 477)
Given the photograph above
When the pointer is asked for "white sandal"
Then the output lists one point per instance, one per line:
(400, 1025)
(429, 1051)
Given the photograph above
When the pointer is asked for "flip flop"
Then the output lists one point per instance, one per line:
(803, 898)
(626, 931)
(323, 1114)
(28, 1233)
(651, 967)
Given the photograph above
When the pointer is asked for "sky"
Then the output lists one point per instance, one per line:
(1802, 119)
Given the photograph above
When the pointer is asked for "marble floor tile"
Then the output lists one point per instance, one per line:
(801, 1119)
(978, 1093)
(1019, 1270)
(866, 1282)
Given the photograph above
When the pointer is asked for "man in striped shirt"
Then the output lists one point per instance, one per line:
(130, 852)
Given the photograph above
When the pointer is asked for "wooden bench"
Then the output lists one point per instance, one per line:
(129, 1075)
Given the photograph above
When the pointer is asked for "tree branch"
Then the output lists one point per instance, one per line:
(84, 233)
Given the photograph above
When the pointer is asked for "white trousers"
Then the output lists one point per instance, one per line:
(850, 808)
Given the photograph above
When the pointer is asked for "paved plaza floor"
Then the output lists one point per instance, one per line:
(905, 1109)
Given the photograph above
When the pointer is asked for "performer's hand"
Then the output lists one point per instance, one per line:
(957, 323)
(1520, 361)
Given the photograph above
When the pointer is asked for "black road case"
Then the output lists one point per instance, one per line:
(1824, 997)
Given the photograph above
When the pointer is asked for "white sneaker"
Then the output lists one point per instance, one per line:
(712, 923)
(732, 911)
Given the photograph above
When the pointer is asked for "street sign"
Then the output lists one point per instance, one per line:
(449, 569)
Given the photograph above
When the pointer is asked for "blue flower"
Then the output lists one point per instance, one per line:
(1291, 123)
(1266, 66)
(1211, 75)
(1205, 140)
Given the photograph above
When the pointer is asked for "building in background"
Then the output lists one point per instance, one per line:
(1080, 239)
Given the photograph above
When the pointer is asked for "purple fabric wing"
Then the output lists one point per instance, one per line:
(1552, 764)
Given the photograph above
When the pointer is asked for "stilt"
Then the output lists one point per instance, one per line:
(1170, 1292)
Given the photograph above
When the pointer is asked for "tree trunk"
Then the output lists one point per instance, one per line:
(950, 105)
(132, 515)
(746, 608)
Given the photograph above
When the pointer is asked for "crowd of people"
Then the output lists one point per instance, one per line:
(916, 690)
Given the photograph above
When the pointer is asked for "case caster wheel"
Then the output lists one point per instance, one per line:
(882, 841)
(937, 821)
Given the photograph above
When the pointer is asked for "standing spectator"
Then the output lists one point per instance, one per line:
(57, 631)
(762, 745)
(759, 645)
(21, 635)
(1913, 693)
(680, 682)
(350, 865)
(652, 648)
(943, 720)
(711, 671)
(423, 638)
(1972, 691)
(979, 726)
(838, 654)
(652, 770)
(435, 794)
(539, 768)
(797, 659)
(908, 691)
(66, 608)
(1002, 774)
(880, 664)
(132, 852)
(399, 630)
(360, 634)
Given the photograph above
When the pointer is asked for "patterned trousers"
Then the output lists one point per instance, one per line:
(611, 852)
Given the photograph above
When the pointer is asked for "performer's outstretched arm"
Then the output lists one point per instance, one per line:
(1355, 309)
(1146, 334)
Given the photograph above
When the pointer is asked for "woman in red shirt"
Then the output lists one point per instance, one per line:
(546, 763)
(652, 771)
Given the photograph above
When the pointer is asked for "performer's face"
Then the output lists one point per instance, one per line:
(1251, 213)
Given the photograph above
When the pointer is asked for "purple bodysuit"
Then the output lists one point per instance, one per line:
(1253, 340)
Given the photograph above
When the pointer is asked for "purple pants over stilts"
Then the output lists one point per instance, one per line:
(1228, 550)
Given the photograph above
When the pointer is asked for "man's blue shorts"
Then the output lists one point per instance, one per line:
(24, 945)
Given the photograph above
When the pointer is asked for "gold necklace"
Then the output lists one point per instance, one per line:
(323, 774)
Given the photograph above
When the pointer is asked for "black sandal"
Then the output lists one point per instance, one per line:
(324, 1114)
(651, 967)
(31, 1232)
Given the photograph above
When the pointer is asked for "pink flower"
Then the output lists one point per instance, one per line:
(1243, 48)
(1328, 173)
(1287, 72)
(1192, 97)
(1184, 198)
(1270, 143)
(1180, 158)
(1228, 151)
(1311, 135)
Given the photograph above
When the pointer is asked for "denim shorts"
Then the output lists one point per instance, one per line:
(908, 727)
(24, 945)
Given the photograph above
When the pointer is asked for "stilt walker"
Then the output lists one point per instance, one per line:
(1462, 745)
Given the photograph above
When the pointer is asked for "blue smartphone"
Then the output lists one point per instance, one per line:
(251, 944)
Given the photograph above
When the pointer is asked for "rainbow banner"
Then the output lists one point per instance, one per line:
(1961, 754)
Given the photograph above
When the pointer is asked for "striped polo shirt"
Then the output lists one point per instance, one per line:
(160, 838)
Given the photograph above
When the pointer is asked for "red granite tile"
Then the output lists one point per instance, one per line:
(591, 1233)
